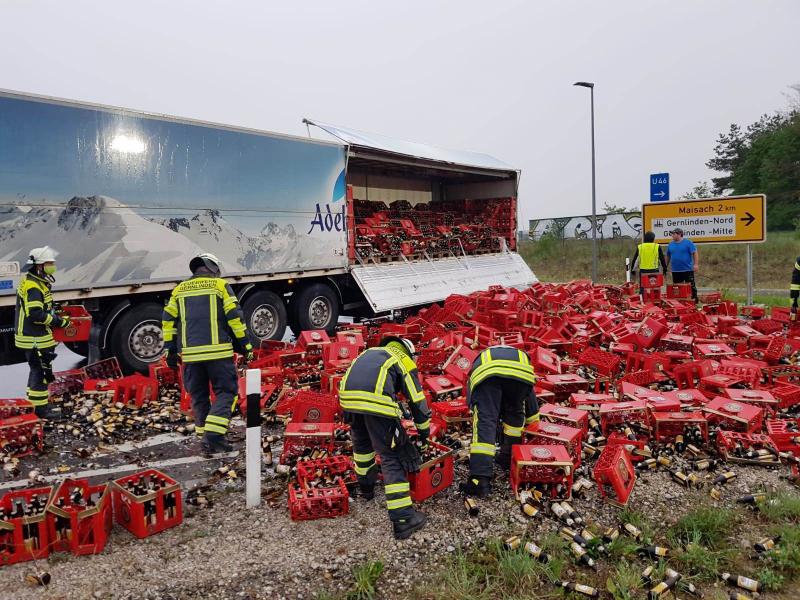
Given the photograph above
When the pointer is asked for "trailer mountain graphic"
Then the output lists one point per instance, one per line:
(101, 240)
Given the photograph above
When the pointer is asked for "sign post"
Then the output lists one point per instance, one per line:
(749, 274)
(659, 187)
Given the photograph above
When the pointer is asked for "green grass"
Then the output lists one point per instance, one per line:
(700, 563)
(721, 265)
(638, 519)
(703, 526)
(366, 576)
(625, 581)
(781, 508)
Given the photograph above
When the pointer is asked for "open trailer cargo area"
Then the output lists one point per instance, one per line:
(306, 229)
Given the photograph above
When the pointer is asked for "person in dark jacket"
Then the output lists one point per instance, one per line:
(368, 394)
(500, 389)
(794, 287)
(202, 324)
(34, 321)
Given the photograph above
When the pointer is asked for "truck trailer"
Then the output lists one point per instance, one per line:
(307, 229)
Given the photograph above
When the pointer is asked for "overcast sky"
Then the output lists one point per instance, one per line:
(493, 77)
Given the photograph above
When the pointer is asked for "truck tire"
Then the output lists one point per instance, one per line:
(264, 316)
(136, 339)
(79, 348)
(315, 307)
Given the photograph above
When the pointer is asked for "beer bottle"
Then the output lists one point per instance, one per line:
(680, 445)
(536, 552)
(580, 553)
(610, 534)
(766, 544)
(573, 536)
(573, 514)
(680, 477)
(561, 513)
(752, 499)
(529, 510)
(647, 465)
(512, 543)
(688, 586)
(664, 461)
(472, 507)
(724, 478)
(579, 588)
(656, 552)
(743, 582)
(647, 575)
(715, 493)
(589, 536)
(632, 531)
(665, 586)
(739, 596)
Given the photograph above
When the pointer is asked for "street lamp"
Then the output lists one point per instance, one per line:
(590, 85)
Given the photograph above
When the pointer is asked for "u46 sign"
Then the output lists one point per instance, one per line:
(734, 219)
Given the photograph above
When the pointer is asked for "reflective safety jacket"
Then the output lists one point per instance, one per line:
(34, 314)
(508, 363)
(648, 256)
(203, 321)
(372, 382)
(794, 288)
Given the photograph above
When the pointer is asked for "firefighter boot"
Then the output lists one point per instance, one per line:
(367, 492)
(405, 527)
(214, 443)
(477, 486)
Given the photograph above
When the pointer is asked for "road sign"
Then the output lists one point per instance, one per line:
(659, 187)
(735, 219)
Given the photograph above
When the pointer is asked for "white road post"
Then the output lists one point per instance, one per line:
(253, 438)
(627, 269)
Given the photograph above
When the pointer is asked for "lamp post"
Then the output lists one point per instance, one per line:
(590, 85)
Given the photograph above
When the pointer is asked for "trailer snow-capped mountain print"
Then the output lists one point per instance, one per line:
(129, 199)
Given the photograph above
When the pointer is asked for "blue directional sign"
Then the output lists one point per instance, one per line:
(659, 187)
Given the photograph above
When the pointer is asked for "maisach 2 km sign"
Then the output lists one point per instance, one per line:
(735, 219)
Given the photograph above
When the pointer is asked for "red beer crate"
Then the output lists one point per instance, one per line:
(605, 363)
(312, 341)
(68, 382)
(152, 510)
(590, 402)
(762, 398)
(315, 407)
(544, 434)
(452, 412)
(651, 295)
(668, 425)
(788, 394)
(691, 397)
(785, 434)
(662, 403)
(334, 467)
(614, 474)
(79, 327)
(622, 413)
(572, 417)
(434, 475)
(103, 369)
(300, 437)
(548, 466)
(14, 407)
(459, 363)
(564, 385)
(307, 504)
(545, 361)
(714, 351)
(734, 416)
(339, 355)
(21, 435)
(728, 441)
(24, 537)
(652, 280)
(134, 390)
(442, 388)
(679, 290)
(75, 526)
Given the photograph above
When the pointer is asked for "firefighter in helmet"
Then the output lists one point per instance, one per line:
(202, 324)
(368, 396)
(34, 321)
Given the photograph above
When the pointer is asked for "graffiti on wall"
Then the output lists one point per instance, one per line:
(615, 225)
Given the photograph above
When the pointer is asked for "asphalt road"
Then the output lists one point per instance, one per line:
(14, 378)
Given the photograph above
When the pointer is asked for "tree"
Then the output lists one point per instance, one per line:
(702, 189)
(612, 209)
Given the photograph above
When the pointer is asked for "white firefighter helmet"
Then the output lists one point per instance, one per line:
(207, 260)
(39, 256)
(399, 343)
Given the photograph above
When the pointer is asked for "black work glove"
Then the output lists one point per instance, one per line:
(172, 360)
(424, 434)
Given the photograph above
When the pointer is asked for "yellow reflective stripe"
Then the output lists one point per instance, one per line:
(397, 488)
(37, 402)
(382, 375)
(424, 424)
(193, 293)
(35, 304)
(212, 319)
(794, 286)
(37, 393)
(171, 308)
(234, 403)
(797, 266)
(532, 419)
(512, 431)
(416, 395)
(183, 322)
(505, 364)
(475, 424)
(491, 370)
(399, 503)
(208, 356)
(368, 396)
(370, 407)
(229, 303)
(207, 348)
(215, 419)
(216, 428)
(481, 448)
(238, 328)
(523, 358)
(363, 470)
(363, 457)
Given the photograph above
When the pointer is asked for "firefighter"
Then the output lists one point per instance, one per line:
(202, 324)
(794, 288)
(650, 256)
(500, 388)
(35, 317)
(368, 396)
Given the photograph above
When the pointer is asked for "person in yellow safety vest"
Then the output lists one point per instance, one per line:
(34, 321)
(368, 396)
(499, 388)
(794, 287)
(650, 256)
(202, 323)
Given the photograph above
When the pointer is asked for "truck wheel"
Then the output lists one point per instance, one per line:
(316, 307)
(264, 315)
(79, 348)
(136, 339)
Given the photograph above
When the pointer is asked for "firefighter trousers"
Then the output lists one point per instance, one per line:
(496, 399)
(385, 436)
(40, 363)
(198, 379)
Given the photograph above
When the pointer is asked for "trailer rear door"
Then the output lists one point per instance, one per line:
(389, 286)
